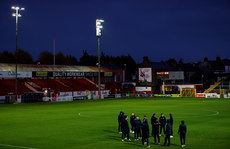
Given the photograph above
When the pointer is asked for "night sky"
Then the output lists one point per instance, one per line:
(160, 29)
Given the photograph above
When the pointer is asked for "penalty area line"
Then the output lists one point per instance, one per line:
(15, 146)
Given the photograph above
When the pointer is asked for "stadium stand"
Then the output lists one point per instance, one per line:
(8, 86)
(62, 85)
(56, 78)
(52, 84)
(80, 84)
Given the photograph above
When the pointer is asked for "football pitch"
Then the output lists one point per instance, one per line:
(93, 123)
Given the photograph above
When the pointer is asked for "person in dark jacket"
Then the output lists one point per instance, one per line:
(137, 128)
(156, 132)
(182, 131)
(171, 122)
(162, 121)
(145, 132)
(132, 118)
(120, 119)
(168, 133)
(125, 129)
(123, 114)
(153, 119)
(145, 117)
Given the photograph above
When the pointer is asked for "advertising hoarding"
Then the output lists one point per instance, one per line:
(12, 74)
(145, 75)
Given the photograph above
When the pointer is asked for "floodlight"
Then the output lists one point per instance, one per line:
(98, 34)
(16, 15)
(98, 27)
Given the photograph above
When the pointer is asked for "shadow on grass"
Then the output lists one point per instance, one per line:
(114, 138)
(110, 131)
(176, 145)
(133, 143)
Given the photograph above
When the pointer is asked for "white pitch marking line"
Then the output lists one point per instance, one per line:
(17, 146)
(80, 115)
(217, 113)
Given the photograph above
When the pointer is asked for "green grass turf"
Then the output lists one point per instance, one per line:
(59, 125)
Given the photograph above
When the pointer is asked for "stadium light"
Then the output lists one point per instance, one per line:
(98, 27)
(16, 15)
(98, 34)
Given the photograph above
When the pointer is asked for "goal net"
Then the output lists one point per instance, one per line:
(188, 92)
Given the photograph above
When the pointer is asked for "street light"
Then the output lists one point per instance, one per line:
(98, 34)
(16, 15)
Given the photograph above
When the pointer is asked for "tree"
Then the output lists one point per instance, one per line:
(218, 65)
(124, 62)
(7, 57)
(70, 60)
(146, 62)
(103, 58)
(24, 57)
(172, 62)
(60, 59)
(218, 59)
(88, 60)
(84, 58)
(180, 64)
(131, 68)
(45, 57)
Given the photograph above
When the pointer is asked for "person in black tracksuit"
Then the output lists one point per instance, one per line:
(120, 119)
(182, 131)
(145, 117)
(125, 128)
(162, 121)
(145, 132)
(156, 131)
(168, 133)
(132, 118)
(137, 128)
(171, 122)
(153, 119)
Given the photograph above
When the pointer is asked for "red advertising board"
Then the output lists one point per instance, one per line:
(200, 95)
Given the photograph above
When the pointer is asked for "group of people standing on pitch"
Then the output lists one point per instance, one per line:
(141, 129)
